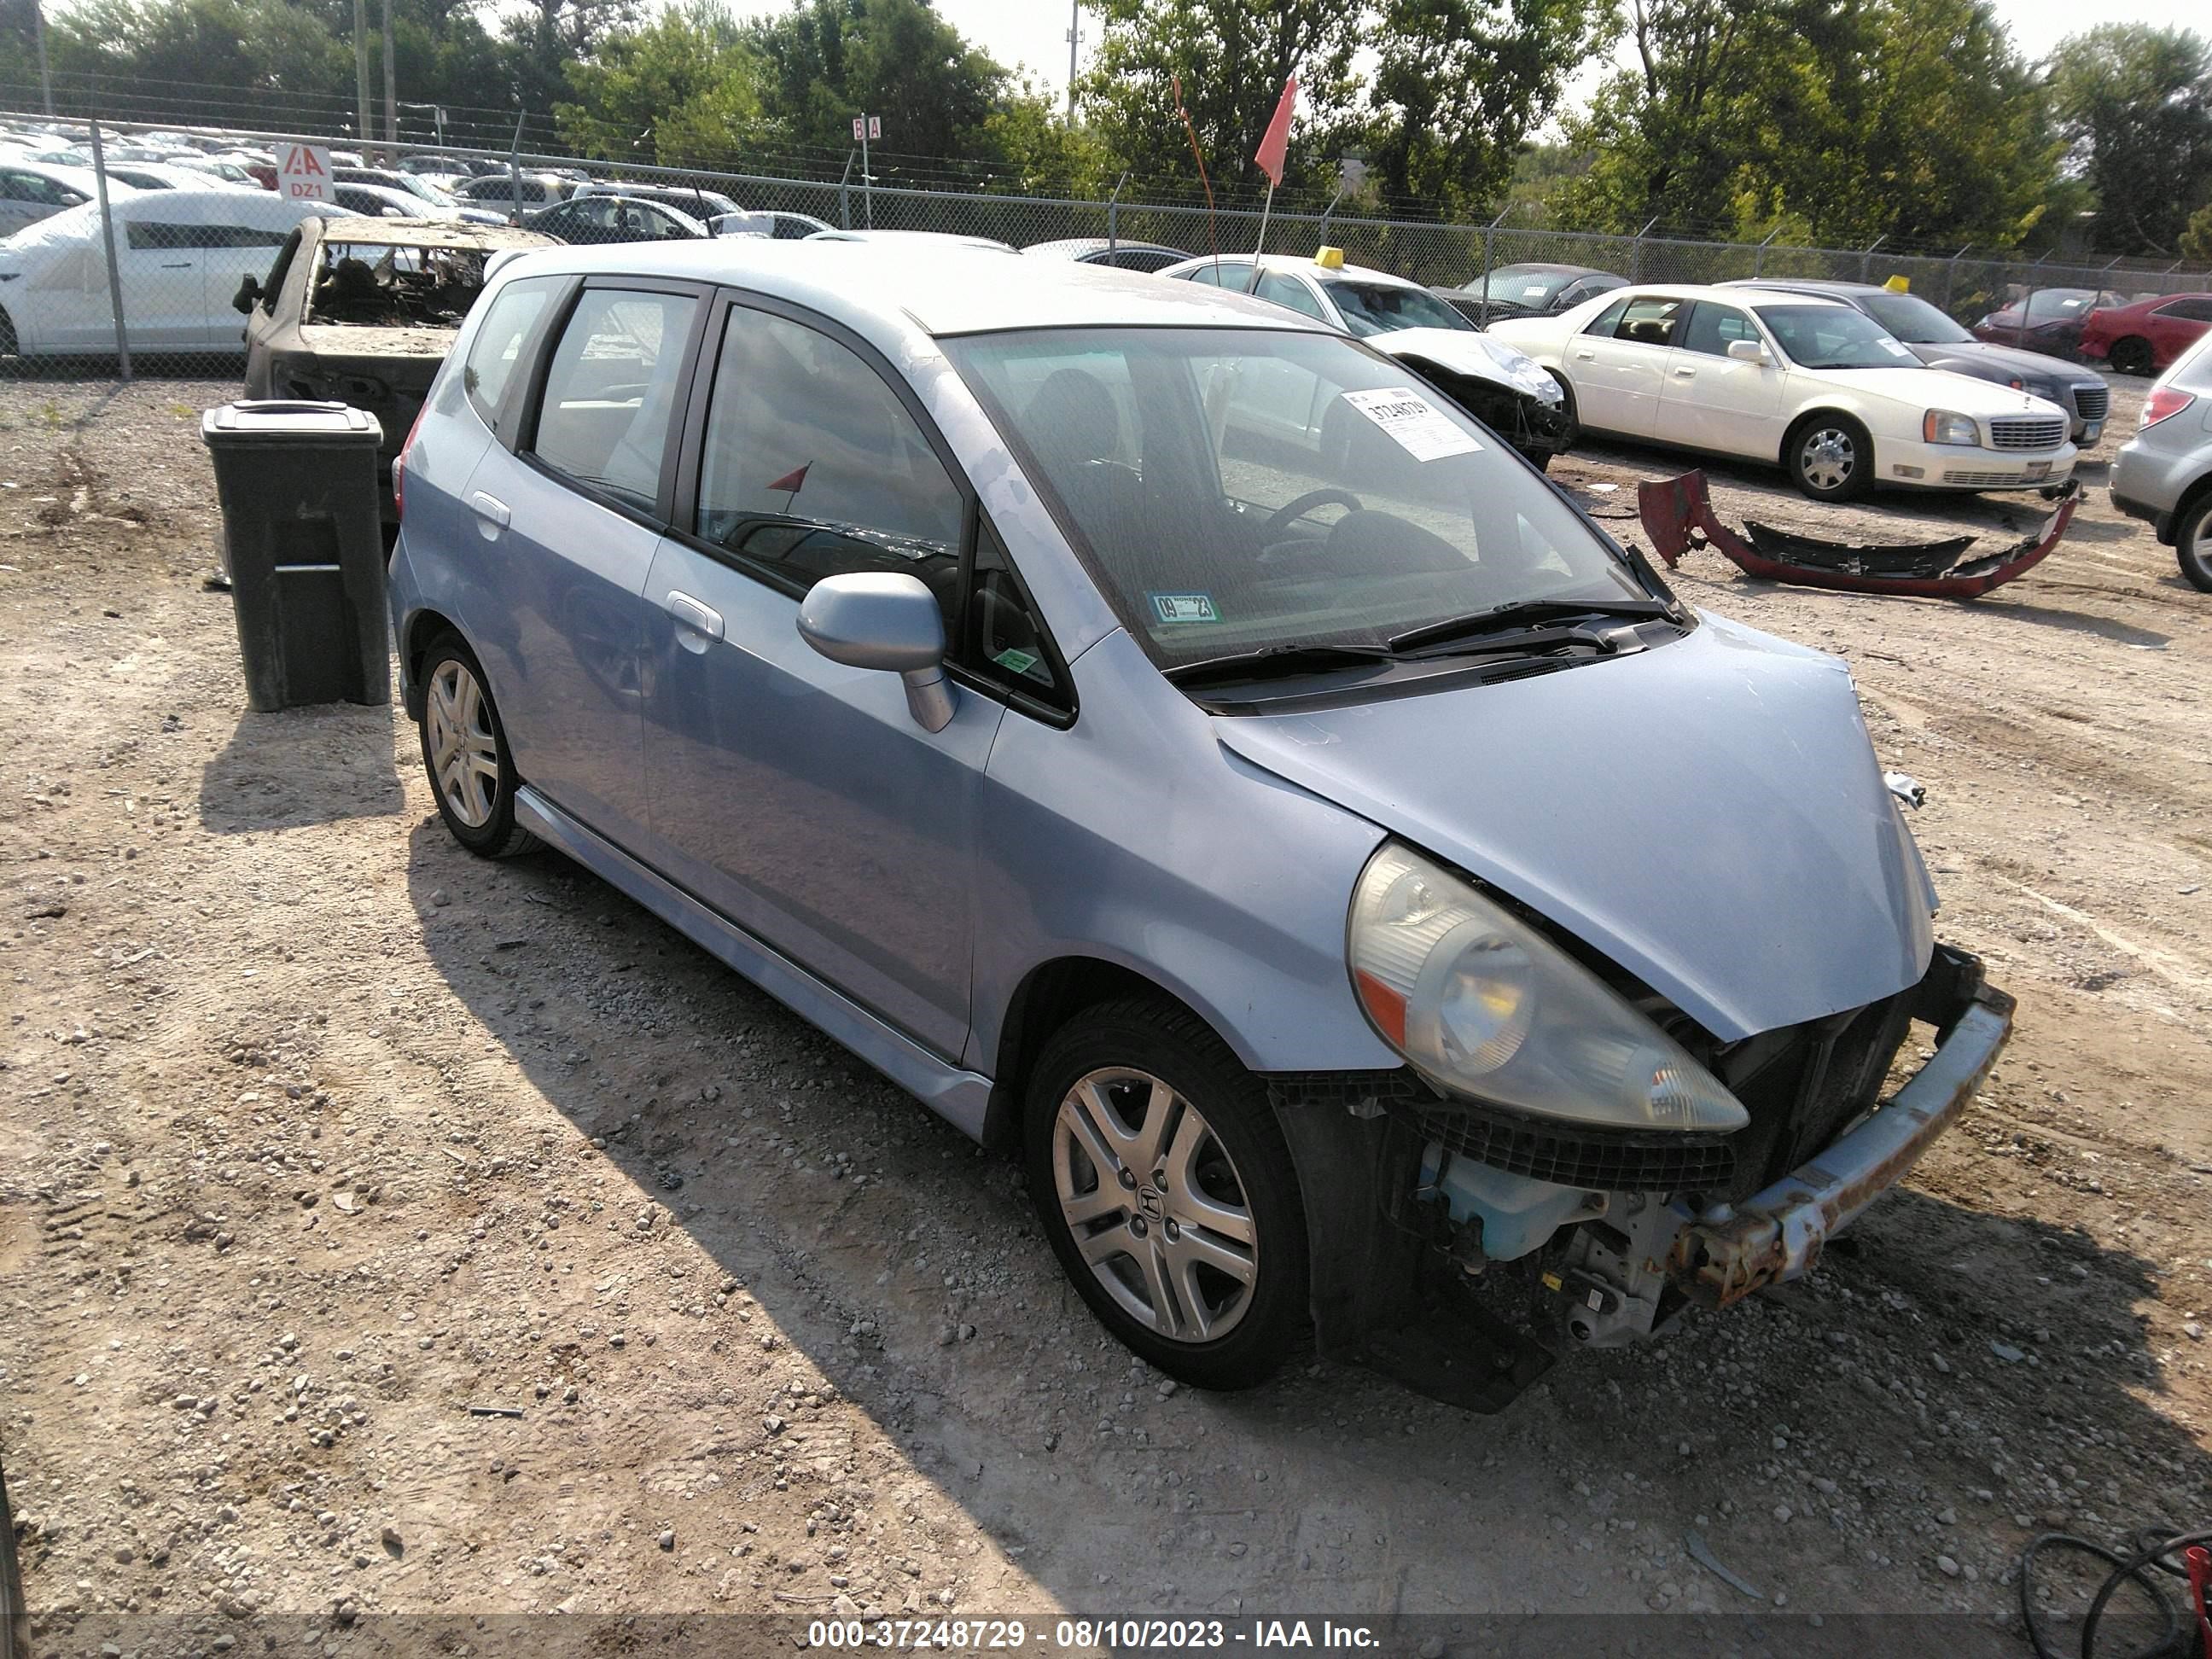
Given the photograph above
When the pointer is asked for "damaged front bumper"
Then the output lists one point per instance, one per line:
(1777, 1235)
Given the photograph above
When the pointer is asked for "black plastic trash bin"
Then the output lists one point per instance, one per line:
(304, 547)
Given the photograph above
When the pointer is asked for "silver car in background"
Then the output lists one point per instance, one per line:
(1189, 754)
(2164, 473)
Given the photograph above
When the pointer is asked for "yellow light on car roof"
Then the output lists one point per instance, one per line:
(1329, 258)
(1899, 283)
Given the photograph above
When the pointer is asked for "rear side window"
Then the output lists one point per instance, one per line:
(155, 234)
(1650, 320)
(1605, 321)
(499, 340)
(610, 391)
(2195, 311)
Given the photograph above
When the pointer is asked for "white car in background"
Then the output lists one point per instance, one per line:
(179, 253)
(1818, 388)
(1491, 379)
(32, 190)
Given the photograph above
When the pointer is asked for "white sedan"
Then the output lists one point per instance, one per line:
(179, 253)
(1819, 388)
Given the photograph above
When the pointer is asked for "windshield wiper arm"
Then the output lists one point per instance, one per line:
(1517, 612)
(1276, 662)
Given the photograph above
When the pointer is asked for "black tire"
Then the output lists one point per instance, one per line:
(2192, 542)
(8, 348)
(1571, 433)
(1171, 1046)
(485, 827)
(1830, 456)
(2129, 356)
(15, 1613)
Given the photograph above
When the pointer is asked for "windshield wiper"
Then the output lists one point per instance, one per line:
(1276, 662)
(1515, 613)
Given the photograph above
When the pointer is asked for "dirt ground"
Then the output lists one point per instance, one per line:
(317, 1134)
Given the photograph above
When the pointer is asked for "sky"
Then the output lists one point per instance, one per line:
(1034, 33)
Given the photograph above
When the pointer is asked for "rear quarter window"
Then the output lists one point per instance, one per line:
(499, 341)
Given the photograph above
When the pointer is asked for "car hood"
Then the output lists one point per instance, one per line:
(1463, 351)
(1982, 361)
(1936, 388)
(1708, 814)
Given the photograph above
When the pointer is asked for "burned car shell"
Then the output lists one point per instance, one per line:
(382, 368)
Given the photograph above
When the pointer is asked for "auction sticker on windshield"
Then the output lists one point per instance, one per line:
(1421, 430)
(1184, 607)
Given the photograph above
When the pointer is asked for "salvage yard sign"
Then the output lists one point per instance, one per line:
(303, 172)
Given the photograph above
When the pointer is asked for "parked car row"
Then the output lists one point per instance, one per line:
(2141, 336)
(1178, 746)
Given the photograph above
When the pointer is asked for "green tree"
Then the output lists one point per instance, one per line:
(683, 88)
(2196, 239)
(1040, 152)
(825, 61)
(1232, 57)
(1914, 119)
(1459, 85)
(2136, 106)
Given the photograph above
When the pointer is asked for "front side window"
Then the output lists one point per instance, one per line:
(1231, 489)
(1712, 328)
(498, 344)
(1289, 291)
(1911, 317)
(812, 467)
(610, 391)
(1834, 336)
(1384, 307)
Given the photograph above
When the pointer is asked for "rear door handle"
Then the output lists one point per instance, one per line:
(182, 265)
(1585, 355)
(489, 508)
(1685, 373)
(697, 618)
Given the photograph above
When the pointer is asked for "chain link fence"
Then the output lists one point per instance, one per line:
(128, 261)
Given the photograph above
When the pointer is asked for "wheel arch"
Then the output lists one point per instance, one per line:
(1049, 995)
(1805, 417)
(2189, 499)
(423, 627)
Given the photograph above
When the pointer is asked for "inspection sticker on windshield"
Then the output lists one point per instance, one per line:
(1422, 429)
(1173, 608)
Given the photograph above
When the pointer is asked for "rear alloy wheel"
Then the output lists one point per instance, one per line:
(465, 752)
(2129, 356)
(2192, 542)
(1830, 458)
(1163, 1181)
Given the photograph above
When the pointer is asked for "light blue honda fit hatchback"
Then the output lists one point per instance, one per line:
(1175, 744)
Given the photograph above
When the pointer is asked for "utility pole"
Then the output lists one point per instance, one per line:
(39, 28)
(1074, 34)
(391, 92)
(360, 126)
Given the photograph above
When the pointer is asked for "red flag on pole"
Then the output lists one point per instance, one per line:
(790, 482)
(1278, 138)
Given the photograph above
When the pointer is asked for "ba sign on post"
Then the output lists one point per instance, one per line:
(303, 172)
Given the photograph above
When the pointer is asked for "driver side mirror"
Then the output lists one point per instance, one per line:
(248, 295)
(884, 620)
(1749, 351)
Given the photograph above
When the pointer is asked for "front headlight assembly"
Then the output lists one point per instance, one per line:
(1944, 426)
(1484, 1006)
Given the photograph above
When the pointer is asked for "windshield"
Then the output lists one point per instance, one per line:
(1520, 286)
(1235, 490)
(1834, 337)
(1911, 317)
(1381, 307)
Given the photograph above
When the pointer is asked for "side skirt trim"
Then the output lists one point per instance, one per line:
(960, 1098)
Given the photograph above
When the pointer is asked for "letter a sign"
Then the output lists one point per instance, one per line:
(303, 172)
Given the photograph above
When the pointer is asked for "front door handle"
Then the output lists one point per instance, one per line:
(490, 509)
(182, 265)
(694, 619)
(1685, 373)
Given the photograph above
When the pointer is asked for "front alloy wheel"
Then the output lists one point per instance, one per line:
(1831, 458)
(1155, 1205)
(1162, 1179)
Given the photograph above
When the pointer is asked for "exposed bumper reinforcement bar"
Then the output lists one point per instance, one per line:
(1732, 1251)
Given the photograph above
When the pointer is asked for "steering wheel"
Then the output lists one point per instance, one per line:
(1283, 516)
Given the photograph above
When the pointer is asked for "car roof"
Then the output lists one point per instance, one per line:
(1553, 269)
(1290, 263)
(1704, 291)
(430, 232)
(890, 288)
(1072, 247)
(1804, 285)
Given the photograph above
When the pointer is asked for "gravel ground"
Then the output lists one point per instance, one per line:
(317, 1133)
